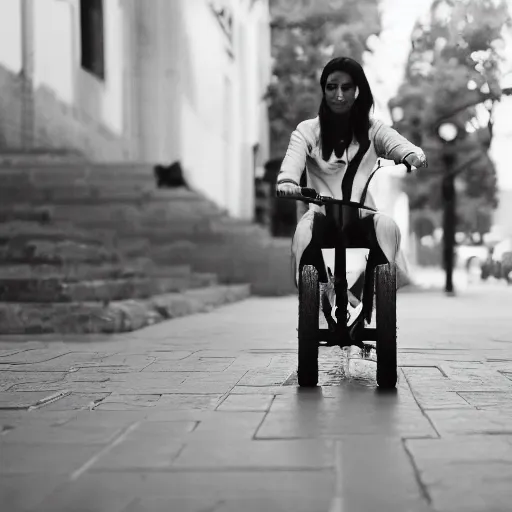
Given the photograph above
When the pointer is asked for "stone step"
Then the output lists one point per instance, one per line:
(56, 173)
(194, 232)
(186, 230)
(165, 253)
(177, 253)
(117, 215)
(41, 215)
(112, 216)
(227, 226)
(133, 247)
(55, 252)
(167, 270)
(117, 316)
(78, 193)
(84, 176)
(41, 156)
(55, 290)
(140, 227)
(265, 266)
(21, 230)
(84, 272)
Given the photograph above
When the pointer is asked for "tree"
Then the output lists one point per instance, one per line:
(305, 35)
(453, 74)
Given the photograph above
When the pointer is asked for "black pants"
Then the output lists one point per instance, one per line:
(358, 232)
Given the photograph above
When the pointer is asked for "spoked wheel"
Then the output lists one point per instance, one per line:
(309, 305)
(385, 288)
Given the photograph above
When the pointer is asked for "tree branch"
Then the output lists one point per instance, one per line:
(462, 167)
(480, 98)
(312, 23)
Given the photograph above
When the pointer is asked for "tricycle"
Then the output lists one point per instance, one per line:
(379, 293)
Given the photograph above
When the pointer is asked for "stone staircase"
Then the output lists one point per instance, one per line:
(99, 248)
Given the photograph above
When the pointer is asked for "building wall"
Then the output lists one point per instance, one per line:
(73, 107)
(70, 108)
(11, 100)
(222, 81)
(503, 214)
(176, 87)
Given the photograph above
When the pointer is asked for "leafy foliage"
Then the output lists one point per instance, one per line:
(453, 74)
(306, 34)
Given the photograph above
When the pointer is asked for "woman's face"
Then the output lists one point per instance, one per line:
(340, 92)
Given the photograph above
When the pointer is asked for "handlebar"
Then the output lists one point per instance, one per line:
(310, 195)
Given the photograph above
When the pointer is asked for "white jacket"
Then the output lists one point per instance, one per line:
(327, 178)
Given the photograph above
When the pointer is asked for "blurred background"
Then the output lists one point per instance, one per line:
(143, 139)
(441, 74)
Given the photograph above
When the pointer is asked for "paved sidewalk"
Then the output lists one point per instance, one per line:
(202, 414)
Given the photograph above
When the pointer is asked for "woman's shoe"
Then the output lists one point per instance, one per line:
(353, 313)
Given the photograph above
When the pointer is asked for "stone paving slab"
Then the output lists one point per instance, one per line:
(203, 413)
(145, 446)
(225, 426)
(230, 454)
(10, 379)
(331, 425)
(116, 316)
(259, 390)
(69, 433)
(13, 400)
(98, 386)
(12, 419)
(488, 399)
(471, 421)
(117, 402)
(199, 504)
(45, 360)
(77, 401)
(471, 473)
(368, 483)
(26, 491)
(244, 403)
(213, 387)
(26, 458)
(181, 401)
(191, 365)
(215, 489)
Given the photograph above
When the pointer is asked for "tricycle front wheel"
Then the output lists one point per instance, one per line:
(309, 307)
(385, 291)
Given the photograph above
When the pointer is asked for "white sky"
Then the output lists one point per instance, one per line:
(386, 65)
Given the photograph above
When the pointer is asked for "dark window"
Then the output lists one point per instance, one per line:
(92, 36)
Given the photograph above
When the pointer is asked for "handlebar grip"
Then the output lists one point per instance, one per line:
(310, 193)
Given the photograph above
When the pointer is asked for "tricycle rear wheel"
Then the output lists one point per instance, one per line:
(309, 308)
(385, 291)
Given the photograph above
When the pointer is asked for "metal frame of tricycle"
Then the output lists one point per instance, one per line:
(342, 336)
(339, 333)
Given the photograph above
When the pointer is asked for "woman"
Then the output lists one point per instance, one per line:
(339, 150)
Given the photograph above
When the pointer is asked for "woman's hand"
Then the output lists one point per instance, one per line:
(288, 190)
(417, 160)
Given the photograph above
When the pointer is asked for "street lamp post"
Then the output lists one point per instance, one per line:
(449, 223)
(448, 133)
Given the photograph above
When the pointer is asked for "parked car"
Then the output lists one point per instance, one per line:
(506, 266)
(472, 257)
(498, 263)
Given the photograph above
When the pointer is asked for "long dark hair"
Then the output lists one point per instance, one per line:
(359, 119)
